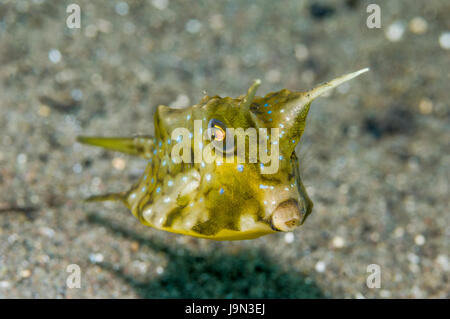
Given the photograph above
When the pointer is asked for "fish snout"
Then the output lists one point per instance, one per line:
(287, 216)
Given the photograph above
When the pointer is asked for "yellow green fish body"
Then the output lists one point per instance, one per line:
(203, 181)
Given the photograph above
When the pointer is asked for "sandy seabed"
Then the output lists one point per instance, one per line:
(374, 157)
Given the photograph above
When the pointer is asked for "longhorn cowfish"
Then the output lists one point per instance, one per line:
(235, 193)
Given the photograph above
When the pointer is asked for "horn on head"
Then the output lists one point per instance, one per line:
(298, 107)
(248, 99)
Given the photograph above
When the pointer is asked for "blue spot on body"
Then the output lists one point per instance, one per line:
(270, 120)
(169, 141)
(266, 105)
(221, 191)
(158, 189)
(281, 157)
(240, 168)
(160, 143)
(293, 141)
(154, 152)
(269, 112)
(153, 180)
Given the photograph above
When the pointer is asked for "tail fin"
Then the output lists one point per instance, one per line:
(139, 146)
(108, 197)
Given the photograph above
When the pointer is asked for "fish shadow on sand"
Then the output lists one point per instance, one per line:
(246, 274)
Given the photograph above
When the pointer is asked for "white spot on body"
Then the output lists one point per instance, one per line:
(147, 214)
(246, 222)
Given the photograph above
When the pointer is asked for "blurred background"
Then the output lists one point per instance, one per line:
(374, 156)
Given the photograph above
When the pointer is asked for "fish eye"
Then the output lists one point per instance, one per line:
(217, 132)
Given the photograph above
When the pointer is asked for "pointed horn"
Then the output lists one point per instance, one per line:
(316, 92)
(138, 145)
(299, 107)
(248, 99)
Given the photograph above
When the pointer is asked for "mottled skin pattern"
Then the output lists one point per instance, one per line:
(219, 200)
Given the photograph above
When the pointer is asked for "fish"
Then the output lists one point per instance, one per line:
(213, 170)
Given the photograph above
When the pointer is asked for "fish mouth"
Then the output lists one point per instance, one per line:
(287, 216)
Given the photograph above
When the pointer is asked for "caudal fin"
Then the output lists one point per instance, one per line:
(118, 197)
